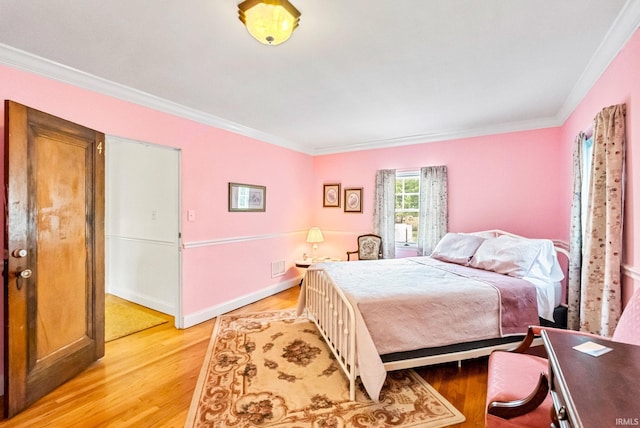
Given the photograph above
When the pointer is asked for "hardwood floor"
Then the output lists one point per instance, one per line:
(147, 380)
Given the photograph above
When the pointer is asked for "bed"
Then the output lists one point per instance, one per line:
(475, 293)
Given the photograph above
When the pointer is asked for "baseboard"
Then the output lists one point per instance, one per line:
(144, 300)
(212, 312)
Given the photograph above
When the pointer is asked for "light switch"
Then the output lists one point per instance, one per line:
(191, 215)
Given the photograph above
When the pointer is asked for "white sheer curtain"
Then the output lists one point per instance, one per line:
(384, 211)
(575, 236)
(433, 219)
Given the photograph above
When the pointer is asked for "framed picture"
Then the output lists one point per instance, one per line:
(331, 195)
(247, 197)
(353, 200)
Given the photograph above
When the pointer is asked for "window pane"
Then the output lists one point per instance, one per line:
(407, 208)
(412, 202)
(406, 230)
(411, 185)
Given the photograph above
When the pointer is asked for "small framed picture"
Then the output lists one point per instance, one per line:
(331, 195)
(353, 200)
(247, 197)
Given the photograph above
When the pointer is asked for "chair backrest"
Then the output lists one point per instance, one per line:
(369, 247)
(628, 328)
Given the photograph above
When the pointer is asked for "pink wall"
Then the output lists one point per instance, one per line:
(511, 181)
(216, 272)
(618, 84)
(516, 181)
(520, 182)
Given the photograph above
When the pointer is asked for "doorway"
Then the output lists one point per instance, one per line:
(143, 225)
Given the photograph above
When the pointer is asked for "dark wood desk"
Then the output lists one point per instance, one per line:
(592, 391)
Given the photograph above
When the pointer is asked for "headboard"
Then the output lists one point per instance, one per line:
(561, 247)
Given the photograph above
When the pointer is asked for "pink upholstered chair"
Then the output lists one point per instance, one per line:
(517, 385)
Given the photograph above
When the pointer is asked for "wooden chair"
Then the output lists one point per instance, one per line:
(369, 247)
(515, 374)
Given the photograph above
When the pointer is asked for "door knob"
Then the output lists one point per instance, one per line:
(19, 253)
(25, 273)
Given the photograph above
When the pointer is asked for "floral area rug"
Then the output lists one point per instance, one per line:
(270, 369)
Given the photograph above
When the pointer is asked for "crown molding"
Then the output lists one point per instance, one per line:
(624, 27)
(26, 61)
(434, 137)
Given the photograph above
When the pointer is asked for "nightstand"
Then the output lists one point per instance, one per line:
(305, 263)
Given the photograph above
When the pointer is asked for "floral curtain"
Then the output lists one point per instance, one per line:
(384, 211)
(599, 293)
(433, 219)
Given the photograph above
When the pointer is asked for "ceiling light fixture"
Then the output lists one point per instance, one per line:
(270, 22)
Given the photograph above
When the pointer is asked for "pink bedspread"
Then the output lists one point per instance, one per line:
(519, 308)
(414, 303)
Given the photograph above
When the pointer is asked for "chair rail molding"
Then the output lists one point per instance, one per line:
(631, 272)
(237, 239)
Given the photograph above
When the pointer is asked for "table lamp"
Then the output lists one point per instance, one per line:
(314, 236)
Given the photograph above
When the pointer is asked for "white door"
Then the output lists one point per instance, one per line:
(143, 258)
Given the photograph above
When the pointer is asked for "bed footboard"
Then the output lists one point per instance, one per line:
(333, 314)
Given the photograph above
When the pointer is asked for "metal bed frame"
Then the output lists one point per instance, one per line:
(330, 310)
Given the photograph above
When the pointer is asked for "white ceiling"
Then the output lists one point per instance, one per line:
(356, 74)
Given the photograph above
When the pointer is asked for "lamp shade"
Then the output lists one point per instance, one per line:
(271, 22)
(314, 235)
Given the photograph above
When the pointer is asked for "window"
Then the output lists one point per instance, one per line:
(407, 207)
(587, 160)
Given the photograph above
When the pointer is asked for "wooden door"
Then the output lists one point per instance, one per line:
(54, 242)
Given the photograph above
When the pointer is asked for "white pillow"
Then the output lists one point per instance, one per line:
(546, 266)
(506, 255)
(457, 248)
